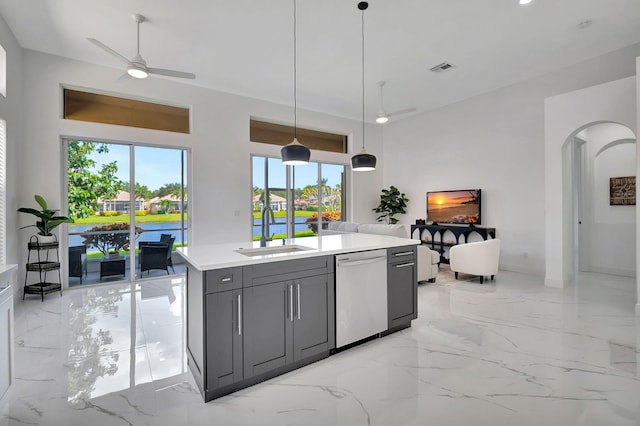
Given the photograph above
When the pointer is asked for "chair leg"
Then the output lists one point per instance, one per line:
(492, 277)
(481, 279)
(456, 274)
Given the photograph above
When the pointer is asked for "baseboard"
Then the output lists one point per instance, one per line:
(614, 271)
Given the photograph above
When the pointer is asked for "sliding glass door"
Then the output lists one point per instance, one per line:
(121, 196)
(295, 201)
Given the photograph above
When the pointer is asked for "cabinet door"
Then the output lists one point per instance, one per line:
(224, 338)
(311, 334)
(268, 327)
(402, 292)
(6, 344)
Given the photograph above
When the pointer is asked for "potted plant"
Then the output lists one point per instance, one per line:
(392, 202)
(47, 220)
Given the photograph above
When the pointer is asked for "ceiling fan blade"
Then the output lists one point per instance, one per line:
(124, 78)
(171, 73)
(108, 50)
(402, 111)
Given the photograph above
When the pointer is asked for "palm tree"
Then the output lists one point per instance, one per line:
(310, 193)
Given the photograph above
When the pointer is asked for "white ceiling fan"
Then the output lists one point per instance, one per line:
(383, 116)
(137, 67)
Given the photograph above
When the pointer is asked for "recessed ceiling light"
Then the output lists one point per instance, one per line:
(525, 1)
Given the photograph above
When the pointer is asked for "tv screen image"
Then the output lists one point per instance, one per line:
(461, 206)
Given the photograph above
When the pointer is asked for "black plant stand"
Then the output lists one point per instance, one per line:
(42, 266)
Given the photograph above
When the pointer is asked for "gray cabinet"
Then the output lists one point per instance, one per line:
(313, 303)
(288, 314)
(402, 286)
(224, 338)
(214, 329)
(248, 324)
(267, 328)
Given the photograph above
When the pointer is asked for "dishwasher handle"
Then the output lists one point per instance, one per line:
(349, 263)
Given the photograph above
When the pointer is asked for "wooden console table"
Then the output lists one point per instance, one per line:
(457, 231)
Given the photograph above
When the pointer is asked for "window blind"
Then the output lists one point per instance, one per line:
(3, 193)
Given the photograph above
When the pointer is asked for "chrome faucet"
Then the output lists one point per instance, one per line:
(265, 229)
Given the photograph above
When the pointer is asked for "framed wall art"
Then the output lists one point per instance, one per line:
(622, 191)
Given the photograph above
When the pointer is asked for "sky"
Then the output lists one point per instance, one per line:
(304, 175)
(155, 167)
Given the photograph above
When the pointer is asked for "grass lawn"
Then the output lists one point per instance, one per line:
(282, 213)
(307, 233)
(149, 218)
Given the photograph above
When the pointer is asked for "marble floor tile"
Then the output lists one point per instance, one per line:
(508, 352)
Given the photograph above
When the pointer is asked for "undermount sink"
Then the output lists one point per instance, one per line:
(262, 251)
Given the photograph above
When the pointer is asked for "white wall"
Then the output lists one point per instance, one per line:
(610, 151)
(565, 115)
(219, 184)
(494, 142)
(11, 112)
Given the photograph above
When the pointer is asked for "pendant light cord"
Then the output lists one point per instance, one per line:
(363, 79)
(295, 74)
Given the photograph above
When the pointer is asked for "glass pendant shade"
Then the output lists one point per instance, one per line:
(295, 154)
(363, 162)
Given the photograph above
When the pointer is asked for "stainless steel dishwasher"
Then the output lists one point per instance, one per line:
(361, 295)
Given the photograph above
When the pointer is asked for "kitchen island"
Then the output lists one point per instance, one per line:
(257, 312)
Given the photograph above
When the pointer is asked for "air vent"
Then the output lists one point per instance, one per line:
(441, 67)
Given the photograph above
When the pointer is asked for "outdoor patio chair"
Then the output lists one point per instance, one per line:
(78, 261)
(155, 255)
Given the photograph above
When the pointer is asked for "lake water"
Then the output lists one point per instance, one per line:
(152, 231)
(280, 227)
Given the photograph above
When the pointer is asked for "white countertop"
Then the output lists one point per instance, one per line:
(5, 268)
(216, 256)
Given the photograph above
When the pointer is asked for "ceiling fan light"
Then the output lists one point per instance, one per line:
(295, 154)
(363, 162)
(137, 72)
(382, 118)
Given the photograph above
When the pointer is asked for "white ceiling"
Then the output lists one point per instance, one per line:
(246, 46)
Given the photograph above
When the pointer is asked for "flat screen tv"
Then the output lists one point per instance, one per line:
(461, 206)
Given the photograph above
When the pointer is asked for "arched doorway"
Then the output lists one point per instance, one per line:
(598, 236)
(565, 116)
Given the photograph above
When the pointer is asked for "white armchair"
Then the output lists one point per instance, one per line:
(479, 258)
(428, 261)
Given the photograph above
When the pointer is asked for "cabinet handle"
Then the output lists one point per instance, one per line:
(291, 302)
(403, 253)
(239, 315)
(298, 294)
(226, 280)
(404, 265)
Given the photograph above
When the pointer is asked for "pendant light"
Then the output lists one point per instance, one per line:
(363, 162)
(295, 154)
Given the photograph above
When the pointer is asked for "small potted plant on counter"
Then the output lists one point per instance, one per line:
(47, 220)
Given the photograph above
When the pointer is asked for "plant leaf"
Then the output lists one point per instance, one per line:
(40, 200)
